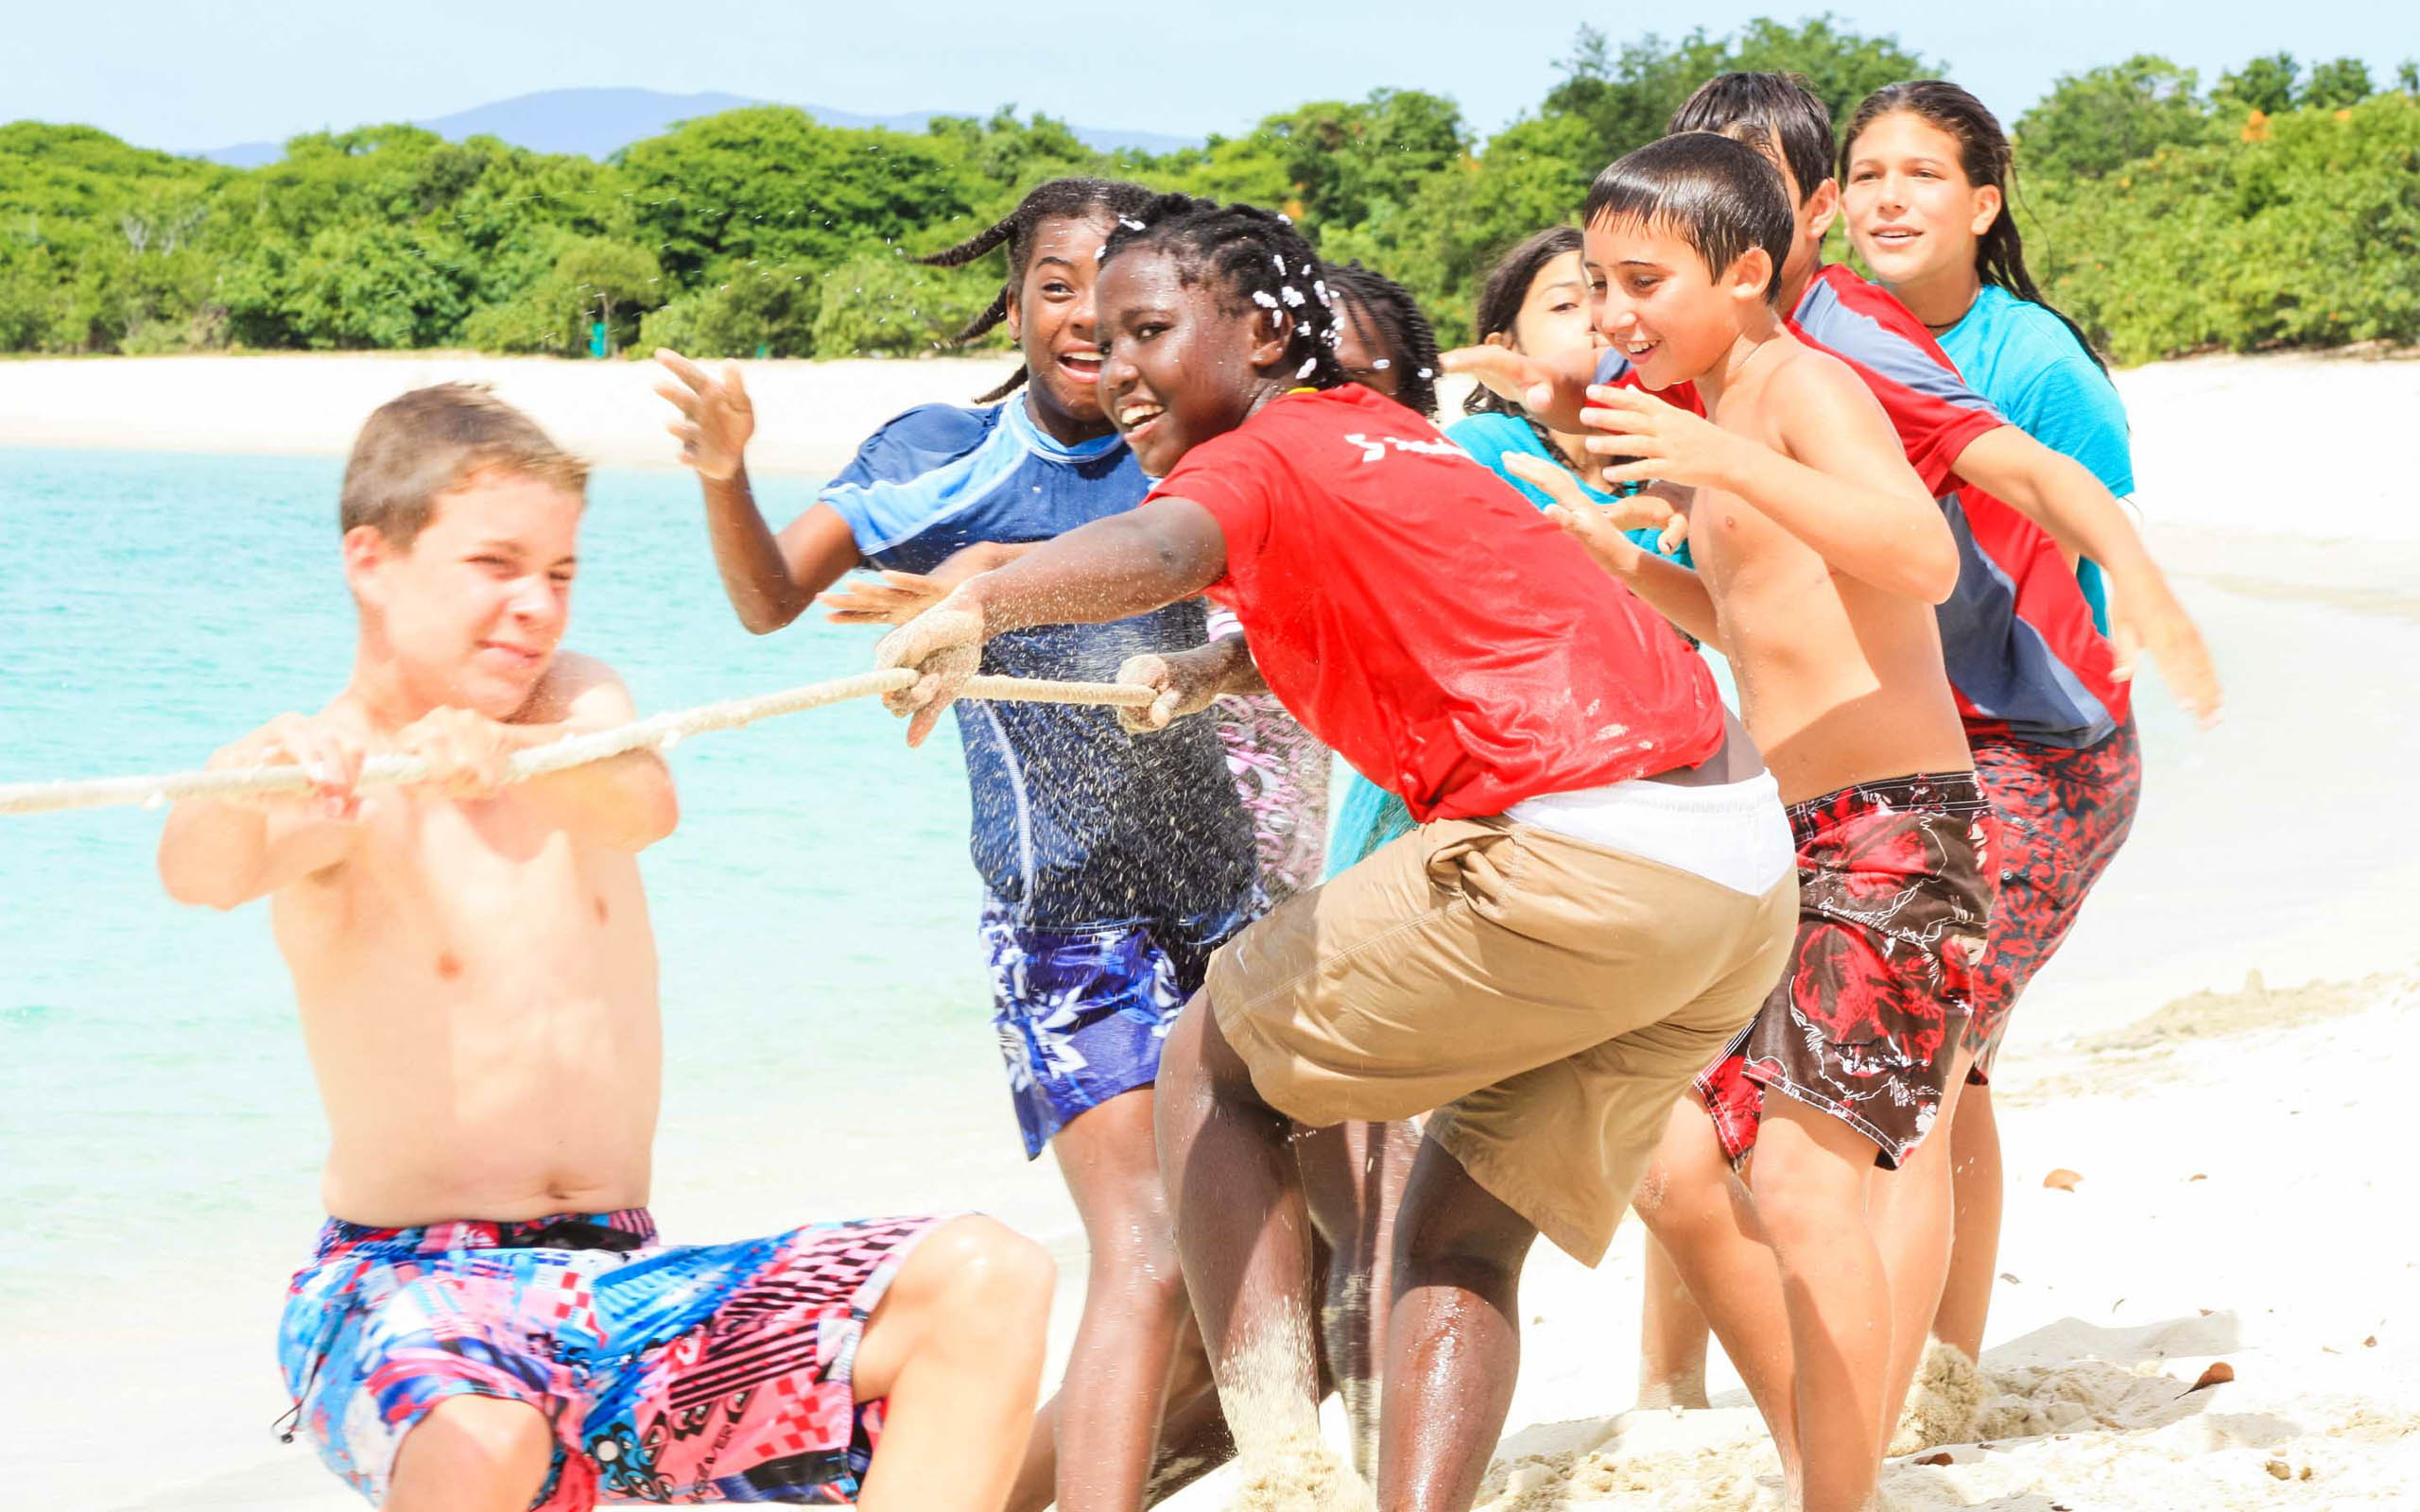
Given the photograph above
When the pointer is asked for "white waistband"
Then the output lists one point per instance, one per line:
(1736, 835)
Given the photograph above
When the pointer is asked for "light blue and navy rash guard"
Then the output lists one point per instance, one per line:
(1075, 822)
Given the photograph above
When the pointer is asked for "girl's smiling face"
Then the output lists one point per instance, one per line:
(1558, 315)
(1053, 319)
(1180, 364)
(1912, 211)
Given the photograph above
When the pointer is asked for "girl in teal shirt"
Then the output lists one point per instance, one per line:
(1926, 201)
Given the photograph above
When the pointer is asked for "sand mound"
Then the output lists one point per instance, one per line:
(1284, 1463)
(2255, 1006)
(1655, 1458)
(1301, 1475)
(1940, 1407)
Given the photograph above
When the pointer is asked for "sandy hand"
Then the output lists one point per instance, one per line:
(716, 416)
(2154, 621)
(942, 645)
(1186, 681)
(468, 754)
(1503, 372)
(329, 754)
(901, 596)
(894, 598)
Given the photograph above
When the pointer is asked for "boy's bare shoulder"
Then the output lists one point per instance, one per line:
(1806, 386)
(577, 685)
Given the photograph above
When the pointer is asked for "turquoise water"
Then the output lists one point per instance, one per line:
(824, 1004)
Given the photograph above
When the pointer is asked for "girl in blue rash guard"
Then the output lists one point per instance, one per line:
(1925, 199)
(1535, 301)
(1111, 866)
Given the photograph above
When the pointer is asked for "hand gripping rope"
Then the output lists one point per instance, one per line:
(659, 732)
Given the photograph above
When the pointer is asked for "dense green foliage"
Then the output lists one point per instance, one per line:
(2281, 207)
(2303, 230)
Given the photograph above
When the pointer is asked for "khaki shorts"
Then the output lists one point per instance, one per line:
(1548, 999)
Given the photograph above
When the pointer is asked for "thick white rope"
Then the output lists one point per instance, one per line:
(659, 732)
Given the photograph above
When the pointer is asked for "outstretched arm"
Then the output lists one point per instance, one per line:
(899, 597)
(1845, 487)
(2061, 496)
(1552, 390)
(770, 579)
(1112, 569)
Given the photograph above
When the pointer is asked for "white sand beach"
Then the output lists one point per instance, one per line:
(2218, 1052)
(811, 415)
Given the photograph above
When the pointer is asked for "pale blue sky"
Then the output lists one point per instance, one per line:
(192, 77)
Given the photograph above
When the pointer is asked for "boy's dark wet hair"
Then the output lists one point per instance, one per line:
(1985, 157)
(1257, 258)
(1720, 196)
(1402, 332)
(1097, 199)
(1499, 305)
(1779, 110)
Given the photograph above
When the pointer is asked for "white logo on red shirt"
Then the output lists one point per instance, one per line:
(1373, 450)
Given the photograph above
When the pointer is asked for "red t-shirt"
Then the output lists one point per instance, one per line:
(1423, 619)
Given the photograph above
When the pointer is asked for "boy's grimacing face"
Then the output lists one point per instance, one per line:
(1178, 366)
(1662, 307)
(472, 610)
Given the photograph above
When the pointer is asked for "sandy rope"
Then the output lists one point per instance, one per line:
(659, 732)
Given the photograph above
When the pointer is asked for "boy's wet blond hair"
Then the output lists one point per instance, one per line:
(421, 444)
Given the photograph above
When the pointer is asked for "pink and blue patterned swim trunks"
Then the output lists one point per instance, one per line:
(710, 1373)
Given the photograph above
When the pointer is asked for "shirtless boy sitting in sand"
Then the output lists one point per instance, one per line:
(488, 1321)
(1821, 556)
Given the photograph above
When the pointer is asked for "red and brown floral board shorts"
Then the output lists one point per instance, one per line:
(1894, 899)
(2063, 815)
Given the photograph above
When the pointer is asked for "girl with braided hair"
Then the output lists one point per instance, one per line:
(1592, 905)
(1355, 1170)
(1383, 340)
(1111, 865)
(1385, 344)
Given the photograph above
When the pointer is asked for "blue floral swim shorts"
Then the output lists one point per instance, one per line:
(1082, 1011)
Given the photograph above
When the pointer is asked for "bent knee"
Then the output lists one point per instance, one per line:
(1680, 1199)
(1797, 1213)
(472, 1440)
(981, 1264)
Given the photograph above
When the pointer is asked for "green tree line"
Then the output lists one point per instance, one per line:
(2279, 206)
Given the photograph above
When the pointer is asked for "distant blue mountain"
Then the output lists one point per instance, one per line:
(596, 122)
